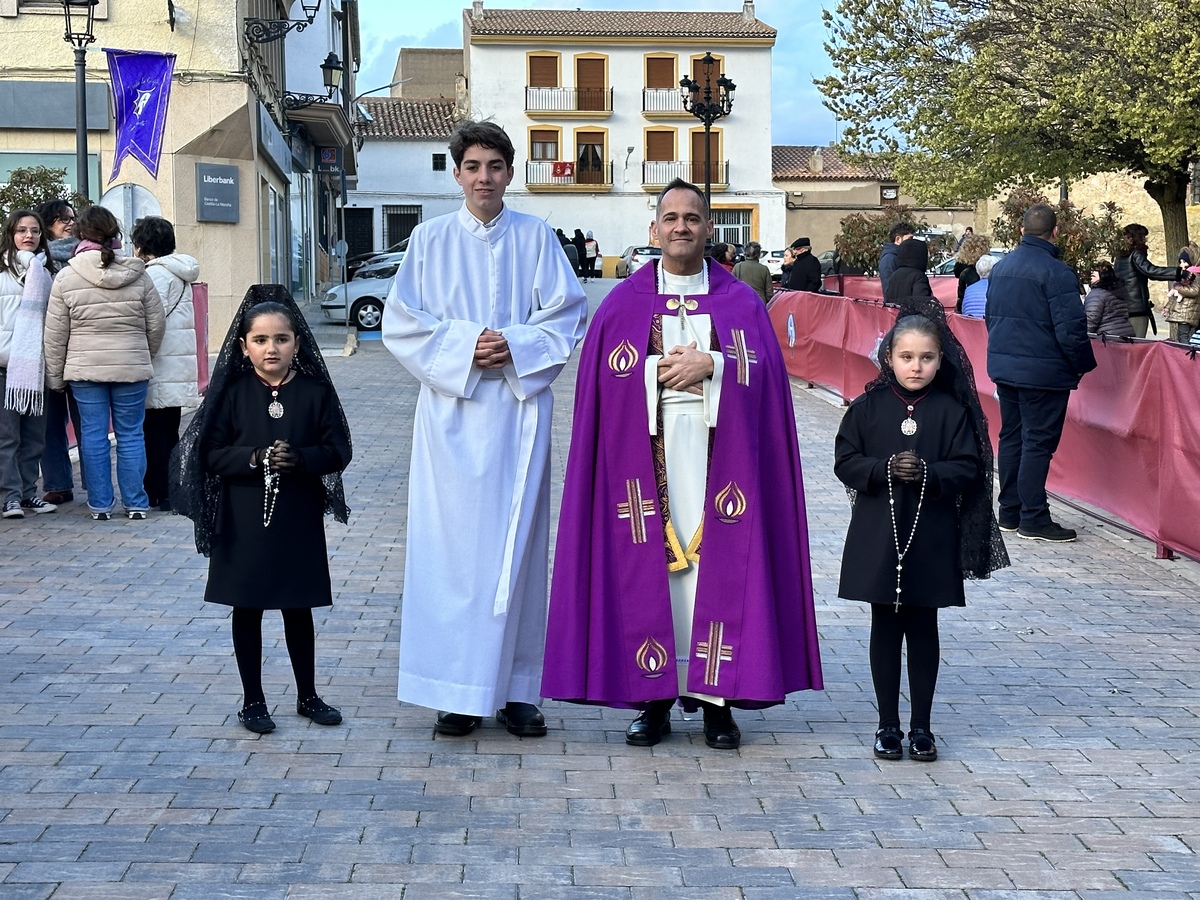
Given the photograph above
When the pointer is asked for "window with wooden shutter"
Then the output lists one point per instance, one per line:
(543, 71)
(543, 145)
(589, 146)
(589, 83)
(714, 157)
(660, 72)
(660, 146)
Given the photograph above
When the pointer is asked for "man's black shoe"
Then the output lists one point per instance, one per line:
(652, 724)
(522, 719)
(455, 724)
(1052, 532)
(720, 731)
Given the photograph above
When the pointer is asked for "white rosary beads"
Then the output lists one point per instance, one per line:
(900, 554)
(270, 488)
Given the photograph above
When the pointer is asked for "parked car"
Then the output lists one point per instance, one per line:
(356, 262)
(381, 266)
(828, 260)
(634, 258)
(946, 266)
(365, 296)
(774, 262)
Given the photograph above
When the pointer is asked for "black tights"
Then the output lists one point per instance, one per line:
(889, 629)
(247, 647)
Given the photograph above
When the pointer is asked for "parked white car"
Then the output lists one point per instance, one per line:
(365, 296)
(774, 263)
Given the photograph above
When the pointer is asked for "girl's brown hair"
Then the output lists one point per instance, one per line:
(100, 226)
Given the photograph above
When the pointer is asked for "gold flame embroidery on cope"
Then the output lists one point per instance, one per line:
(730, 503)
(651, 658)
(623, 359)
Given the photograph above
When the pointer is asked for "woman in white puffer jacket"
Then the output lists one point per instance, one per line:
(173, 385)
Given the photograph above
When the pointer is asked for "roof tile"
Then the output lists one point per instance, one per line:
(795, 163)
(393, 117)
(611, 23)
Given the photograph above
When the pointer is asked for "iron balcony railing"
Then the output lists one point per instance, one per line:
(666, 171)
(558, 99)
(545, 172)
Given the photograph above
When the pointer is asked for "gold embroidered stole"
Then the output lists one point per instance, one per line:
(677, 556)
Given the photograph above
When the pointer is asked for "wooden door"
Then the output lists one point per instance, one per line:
(589, 157)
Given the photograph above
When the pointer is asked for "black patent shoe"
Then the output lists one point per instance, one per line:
(456, 724)
(319, 711)
(889, 743)
(720, 731)
(522, 719)
(651, 725)
(256, 718)
(921, 745)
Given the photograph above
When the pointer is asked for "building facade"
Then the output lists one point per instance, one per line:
(822, 189)
(592, 102)
(228, 128)
(405, 171)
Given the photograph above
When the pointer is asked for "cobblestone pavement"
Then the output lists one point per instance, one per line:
(1065, 714)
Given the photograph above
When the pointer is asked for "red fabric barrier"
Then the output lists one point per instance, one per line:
(200, 316)
(1131, 439)
(865, 287)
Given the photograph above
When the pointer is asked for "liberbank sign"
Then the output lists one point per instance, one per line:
(217, 193)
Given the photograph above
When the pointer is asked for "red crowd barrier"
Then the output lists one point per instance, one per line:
(1131, 443)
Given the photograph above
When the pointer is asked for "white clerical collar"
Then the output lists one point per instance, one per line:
(478, 228)
(681, 284)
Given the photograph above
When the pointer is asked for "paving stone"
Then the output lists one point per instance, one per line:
(1065, 715)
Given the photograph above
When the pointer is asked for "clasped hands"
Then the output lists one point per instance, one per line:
(491, 350)
(906, 466)
(684, 369)
(280, 458)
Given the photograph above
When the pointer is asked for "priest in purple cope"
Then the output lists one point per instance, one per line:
(682, 567)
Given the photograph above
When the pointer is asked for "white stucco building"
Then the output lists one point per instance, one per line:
(405, 172)
(591, 100)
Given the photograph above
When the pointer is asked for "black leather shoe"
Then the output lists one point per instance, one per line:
(319, 711)
(256, 718)
(921, 746)
(455, 724)
(720, 731)
(889, 743)
(651, 725)
(522, 719)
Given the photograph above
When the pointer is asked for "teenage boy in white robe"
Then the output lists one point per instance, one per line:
(484, 311)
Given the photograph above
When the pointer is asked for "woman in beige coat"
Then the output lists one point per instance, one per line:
(104, 324)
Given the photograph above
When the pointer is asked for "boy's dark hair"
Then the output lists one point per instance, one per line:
(153, 235)
(266, 308)
(480, 134)
(100, 226)
(680, 184)
(900, 228)
(1040, 220)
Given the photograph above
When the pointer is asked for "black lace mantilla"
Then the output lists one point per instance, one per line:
(981, 544)
(194, 492)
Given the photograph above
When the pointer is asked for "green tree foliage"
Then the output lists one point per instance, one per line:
(1083, 240)
(967, 97)
(862, 234)
(30, 187)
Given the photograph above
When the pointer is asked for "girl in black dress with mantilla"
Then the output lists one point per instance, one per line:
(268, 446)
(914, 453)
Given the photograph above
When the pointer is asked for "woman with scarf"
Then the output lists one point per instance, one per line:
(26, 272)
(104, 323)
(58, 219)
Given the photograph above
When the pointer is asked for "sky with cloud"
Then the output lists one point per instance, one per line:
(798, 116)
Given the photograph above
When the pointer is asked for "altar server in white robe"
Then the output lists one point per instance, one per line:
(484, 311)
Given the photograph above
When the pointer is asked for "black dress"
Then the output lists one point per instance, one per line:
(870, 435)
(285, 565)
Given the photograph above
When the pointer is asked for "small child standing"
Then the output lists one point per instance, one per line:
(1183, 298)
(914, 453)
(256, 471)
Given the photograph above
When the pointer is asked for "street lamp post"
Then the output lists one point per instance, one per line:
(707, 104)
(80, 16)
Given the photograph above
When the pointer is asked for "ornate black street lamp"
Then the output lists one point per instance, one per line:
(708, 102)
(80, 16)
(264, 31)
(331, 75)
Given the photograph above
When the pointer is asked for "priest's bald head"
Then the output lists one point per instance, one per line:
(682, 225)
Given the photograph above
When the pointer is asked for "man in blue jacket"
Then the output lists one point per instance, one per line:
(900, 232)
(1038, 349)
